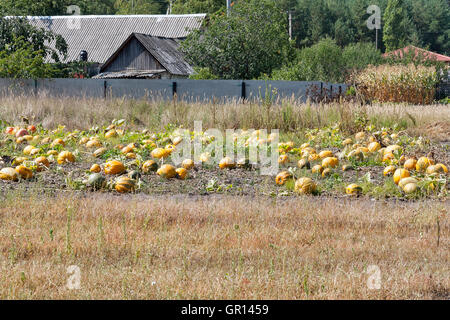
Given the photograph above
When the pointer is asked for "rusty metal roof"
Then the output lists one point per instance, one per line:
(101, 36)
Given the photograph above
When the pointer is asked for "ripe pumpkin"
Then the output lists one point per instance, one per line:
(27, 149)
(325, 154)
(400, 174)
(388, 157)
(159, 153)
(355, 155)
(114, 167)
(423, 163)
(99, 152)
(84, 140)
(305, 186)
(65, 156)
(181, 173)
(389, 170)
(9, 174)
(326, 172)
(94, 143)
(353, 189)
(410, 188)
(188, 164)
(347, 167)
(95, 168)
(111, 133)
(42, 163)
(19, 160)
(410, 164)
(404, 181)
(227, 163)
(374, 146)
(392, 148)
(149, 165)
(52, 152)
(282, 177)
(24, 172)
(282, 159)
(441, 168)
(167, 171)
(360, 136)
(313, 157)
(347, 142)
(330, 162)
(58, 141)
(125, 185)
(317, 169)
(303, 163)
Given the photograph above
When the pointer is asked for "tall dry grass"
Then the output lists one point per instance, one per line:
(288, 116)
(138, 247)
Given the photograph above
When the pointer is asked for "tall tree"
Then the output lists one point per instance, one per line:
(397, 25)
(197, 6)
(251, 41)
(141, 6)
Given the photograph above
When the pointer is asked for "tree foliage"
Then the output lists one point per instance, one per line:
(197, 6)
(397, 25)
(251, 41)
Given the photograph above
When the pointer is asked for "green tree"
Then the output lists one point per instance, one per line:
(397, 25)
(15, 28)
(141, 6)
(19, 59)
(251, 41)
(197, 6)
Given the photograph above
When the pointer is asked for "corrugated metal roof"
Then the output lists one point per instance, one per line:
(101, 36)
(166, 52)
(129, 74)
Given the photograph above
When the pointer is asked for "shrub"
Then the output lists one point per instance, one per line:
(398, 83)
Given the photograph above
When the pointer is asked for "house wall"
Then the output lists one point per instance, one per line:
(133, 57)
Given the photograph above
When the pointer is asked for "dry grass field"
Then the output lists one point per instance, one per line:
(169, 247)
(174, 246)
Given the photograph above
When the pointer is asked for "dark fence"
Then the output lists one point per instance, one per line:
(183, 89)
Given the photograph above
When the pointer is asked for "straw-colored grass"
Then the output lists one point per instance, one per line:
(138, 247)
(288, 116)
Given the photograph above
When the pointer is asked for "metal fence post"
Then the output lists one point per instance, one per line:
(105, 86)
(174, 88)
(243, 90)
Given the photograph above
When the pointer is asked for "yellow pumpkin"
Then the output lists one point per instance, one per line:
(389, 170)
(24, 172)
(226, 163)
(27, 149)
(305, 185)
(353, 189)
(114, 167)
(94, 143)
(9, 174)
(188, 164)
(388, 157)
(404, 181)
(111, 133)
(303, 163)
(52, 153)
(313, 157)
(282, 177)
(58, 141)
(374, 146)
(400, 174)
(95, 168)
(149, 165)
(360, 136)
(99, 152)
(65, 156)
(347, 142)
(125, 185)
(330, 162)
(423, 163)
(392, 148)
(410, 164)
(317, 169)
(130, 155)
(326, 172)
(410, 188)
(282, 159)
(127, 149)
(159, 153)
(355, 155)
(84, 140)
(167, 171)
(19, 160)
(325, 154)
(42, 163)
(441, 168)
(181, 173)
